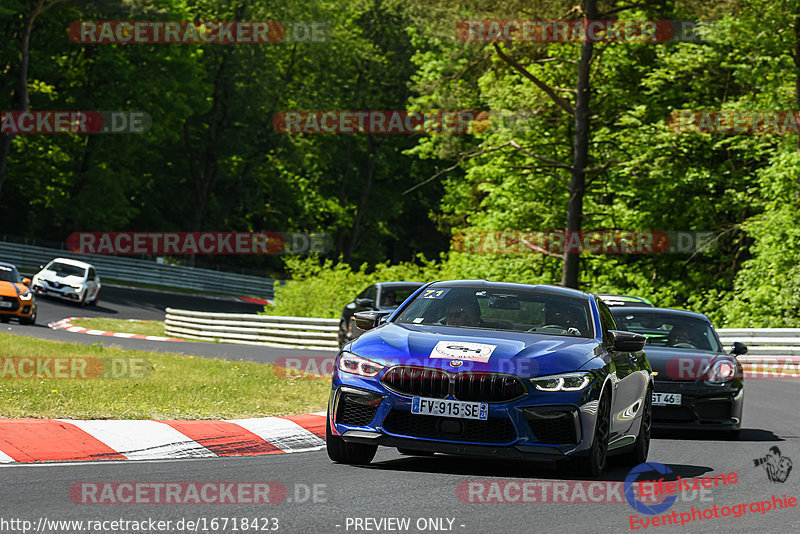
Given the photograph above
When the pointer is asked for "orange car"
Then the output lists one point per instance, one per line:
(16, 298)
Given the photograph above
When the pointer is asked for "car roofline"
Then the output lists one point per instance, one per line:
(667, 311)
(554, 290)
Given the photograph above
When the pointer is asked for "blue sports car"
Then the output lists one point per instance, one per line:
(503, 370)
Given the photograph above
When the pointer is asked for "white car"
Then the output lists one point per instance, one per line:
(67, 279)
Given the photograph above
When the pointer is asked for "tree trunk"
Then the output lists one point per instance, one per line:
(20, 98)
(580, 155)
(369, 180)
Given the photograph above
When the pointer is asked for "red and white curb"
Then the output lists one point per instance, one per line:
(65, 440)
(66, 324)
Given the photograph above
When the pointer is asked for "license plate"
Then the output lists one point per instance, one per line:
(666, 399)
(450, 408)
(4, 304)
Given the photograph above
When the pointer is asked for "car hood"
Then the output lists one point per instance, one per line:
(518, 353)
(680, 364)
(10, 289)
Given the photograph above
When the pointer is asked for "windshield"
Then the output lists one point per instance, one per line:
(669, 330)
(9, 274)
(515, 310)
(65, 269)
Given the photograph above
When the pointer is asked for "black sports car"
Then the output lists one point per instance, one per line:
(697, 385)
(381, 296)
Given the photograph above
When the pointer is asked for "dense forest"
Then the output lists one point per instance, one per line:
(573, 135)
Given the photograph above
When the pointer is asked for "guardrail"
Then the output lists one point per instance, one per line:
(148, 272)
(250, 329)
(763, 343)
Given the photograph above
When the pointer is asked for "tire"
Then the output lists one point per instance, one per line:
(595, 462)
(342, 452)
(413, 452)
(96, 299)
(29, 320)
(642, 447)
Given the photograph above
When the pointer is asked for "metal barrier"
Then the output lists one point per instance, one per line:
(310, 332)
(148, 272)
(250, 329)
(770, 343)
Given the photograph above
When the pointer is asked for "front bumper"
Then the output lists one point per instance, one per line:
(537, 455)
(702, 406)
(64, 292)
(539, 426)
(17, 308)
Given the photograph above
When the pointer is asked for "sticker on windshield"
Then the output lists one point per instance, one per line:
(435, 293)
(463, 350)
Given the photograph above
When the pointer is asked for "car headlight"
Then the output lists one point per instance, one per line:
(28, 295)
(355, 364)
(78, 288)
(720, 372)
(564, 382)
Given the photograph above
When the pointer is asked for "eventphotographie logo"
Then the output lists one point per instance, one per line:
(777, 466)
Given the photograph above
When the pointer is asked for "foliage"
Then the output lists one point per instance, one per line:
(213, 160)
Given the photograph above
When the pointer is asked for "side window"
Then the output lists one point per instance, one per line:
(92, 274)
(608, 323)
(370, 293)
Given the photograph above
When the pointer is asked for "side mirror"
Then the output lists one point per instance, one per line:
(365, 303)
(367, 320)
(628, 341)
(738, 348)
(26, 281)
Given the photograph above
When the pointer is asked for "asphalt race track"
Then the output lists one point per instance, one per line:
(396, 486)
(438, 494)
(130, 303)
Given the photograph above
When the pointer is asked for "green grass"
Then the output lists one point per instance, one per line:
(163, 386)
(147, 328)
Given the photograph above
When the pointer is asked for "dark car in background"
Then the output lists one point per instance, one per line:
(615, 301)
(697, 385)
(381, 296)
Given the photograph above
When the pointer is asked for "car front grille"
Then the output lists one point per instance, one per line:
(357, 408)
(673, 414)
(14, 304)
(474, 386)
(552, 426)
(493, 430)
(714, 409)
(487, 387)
(418, 381)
